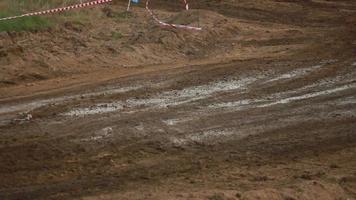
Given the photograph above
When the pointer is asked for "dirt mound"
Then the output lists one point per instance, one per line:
(114, 41)
(217, 30)
(113, 38)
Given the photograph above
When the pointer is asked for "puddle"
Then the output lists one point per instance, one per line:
(330, 61)
(27, 107)
(236, 104)
(140, 127)
(201, 137)
(308, 96)
(96, 109)
(165, 99)
(178, 97)
(172, 122)
(195, 93)
(279, 98)
(295, 73)
(99, 135)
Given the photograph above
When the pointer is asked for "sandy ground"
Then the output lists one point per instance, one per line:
(260, 105)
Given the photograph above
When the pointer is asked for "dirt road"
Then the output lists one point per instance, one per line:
(271, 116)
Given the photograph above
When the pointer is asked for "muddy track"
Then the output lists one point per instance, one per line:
(272, 126)
(297, 13)
(175, 120)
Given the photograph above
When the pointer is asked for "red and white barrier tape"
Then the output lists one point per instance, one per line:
(172, 25)
(186, 5)
(56, 10)
(97, 2)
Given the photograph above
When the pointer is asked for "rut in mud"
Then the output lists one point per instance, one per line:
(270, 117)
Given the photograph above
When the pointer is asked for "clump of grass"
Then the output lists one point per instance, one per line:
(119, 16)
(25, 24)
(34, 23)
(123, 15)
(116, 35)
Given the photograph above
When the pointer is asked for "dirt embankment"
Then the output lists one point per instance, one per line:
(259, 105)
(109, 38)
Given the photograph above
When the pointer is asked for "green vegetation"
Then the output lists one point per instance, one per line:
(121, 16)
(25, 24)
(18, 7)
(116, 35)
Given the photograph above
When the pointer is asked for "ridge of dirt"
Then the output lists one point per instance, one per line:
(109, 38)
(259, 105)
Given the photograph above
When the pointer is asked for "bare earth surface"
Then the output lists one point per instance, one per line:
(259, 105)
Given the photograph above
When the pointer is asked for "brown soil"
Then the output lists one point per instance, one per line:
(259, 105)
